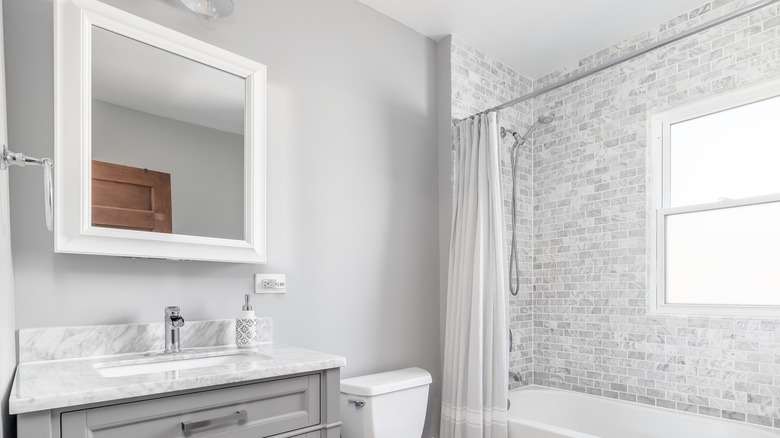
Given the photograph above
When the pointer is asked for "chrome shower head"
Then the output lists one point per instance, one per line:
(547, 118)
(519, 140)
(542, 120)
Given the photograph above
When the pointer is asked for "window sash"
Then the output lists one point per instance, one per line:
(659, 161)
(662, 305)
(729, 203)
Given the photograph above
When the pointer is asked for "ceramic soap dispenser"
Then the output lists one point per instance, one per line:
(247, 330)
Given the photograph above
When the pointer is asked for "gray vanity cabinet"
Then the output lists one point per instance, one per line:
(301, 406)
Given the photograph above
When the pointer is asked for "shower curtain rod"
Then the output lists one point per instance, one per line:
(658, 44)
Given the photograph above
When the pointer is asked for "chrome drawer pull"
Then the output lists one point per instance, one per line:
(189, 426)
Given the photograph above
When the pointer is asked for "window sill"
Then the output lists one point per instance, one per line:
(718, 311)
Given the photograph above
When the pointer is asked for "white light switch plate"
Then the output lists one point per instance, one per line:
(270, 284)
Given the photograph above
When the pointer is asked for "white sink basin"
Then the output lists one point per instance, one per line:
(167, 363)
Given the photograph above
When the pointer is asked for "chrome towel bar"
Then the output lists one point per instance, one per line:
(18, 159)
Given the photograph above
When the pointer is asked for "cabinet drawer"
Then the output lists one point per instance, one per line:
(255, 410)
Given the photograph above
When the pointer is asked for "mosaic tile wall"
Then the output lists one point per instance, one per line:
(479, 83)
(592, 331)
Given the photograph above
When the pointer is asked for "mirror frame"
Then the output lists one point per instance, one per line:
(73, 233)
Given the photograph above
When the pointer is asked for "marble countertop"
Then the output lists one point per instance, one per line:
(59, 383)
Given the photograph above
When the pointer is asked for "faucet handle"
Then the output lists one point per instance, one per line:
(173, 313)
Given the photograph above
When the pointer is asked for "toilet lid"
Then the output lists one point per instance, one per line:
(382, 383)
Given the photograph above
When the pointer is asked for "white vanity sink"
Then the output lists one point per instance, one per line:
(163, 363)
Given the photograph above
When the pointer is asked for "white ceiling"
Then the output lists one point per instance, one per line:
(534, 37)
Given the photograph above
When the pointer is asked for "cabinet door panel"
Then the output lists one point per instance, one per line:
(270, 408)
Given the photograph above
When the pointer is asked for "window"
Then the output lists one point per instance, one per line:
(715, 205)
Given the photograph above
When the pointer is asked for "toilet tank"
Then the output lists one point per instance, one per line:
(385, 405)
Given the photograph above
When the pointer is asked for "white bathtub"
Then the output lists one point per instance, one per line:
(538, 412)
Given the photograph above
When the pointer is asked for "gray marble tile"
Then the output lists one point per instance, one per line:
(589, 211)
(581, 320)
(50, 343)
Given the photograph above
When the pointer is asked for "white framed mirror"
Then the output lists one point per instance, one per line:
(159, 141)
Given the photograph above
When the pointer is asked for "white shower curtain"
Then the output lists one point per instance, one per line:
(474, 393)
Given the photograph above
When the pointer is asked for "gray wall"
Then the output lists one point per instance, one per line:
(352, 187)
(445, 157)
(7, 313)
(206, 165)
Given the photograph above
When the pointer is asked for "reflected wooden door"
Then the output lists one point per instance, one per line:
(130, 198)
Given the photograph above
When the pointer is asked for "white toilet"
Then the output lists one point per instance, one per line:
(385, 405)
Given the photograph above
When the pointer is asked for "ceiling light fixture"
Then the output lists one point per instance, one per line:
(210, 9)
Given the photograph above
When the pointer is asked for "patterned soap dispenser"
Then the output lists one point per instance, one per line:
(247, 330)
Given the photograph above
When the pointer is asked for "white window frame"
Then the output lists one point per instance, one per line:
(659, 190)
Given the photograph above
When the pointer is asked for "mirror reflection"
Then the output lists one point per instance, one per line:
(167, 141)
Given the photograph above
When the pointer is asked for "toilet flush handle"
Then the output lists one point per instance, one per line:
(357, 403)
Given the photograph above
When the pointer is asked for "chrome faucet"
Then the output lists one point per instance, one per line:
(172, 323)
